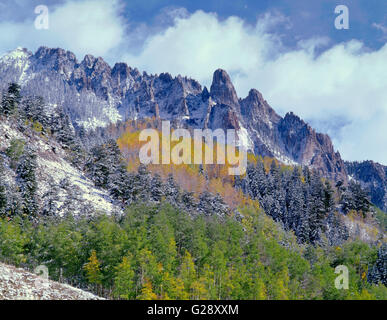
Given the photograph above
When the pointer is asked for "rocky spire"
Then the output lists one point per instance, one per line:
(255, 108)
(222, 90)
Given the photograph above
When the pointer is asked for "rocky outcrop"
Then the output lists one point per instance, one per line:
(261, 122)
(225, 109)
(256, 108)
(223, 116)
(222, 90)
(309, 148)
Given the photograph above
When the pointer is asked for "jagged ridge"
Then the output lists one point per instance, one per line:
(94, 95)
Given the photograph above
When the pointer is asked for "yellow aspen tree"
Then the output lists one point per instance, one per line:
(147, 291)
(93, 270)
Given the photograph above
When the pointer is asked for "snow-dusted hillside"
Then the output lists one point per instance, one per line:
(55, 173)
(19, 284)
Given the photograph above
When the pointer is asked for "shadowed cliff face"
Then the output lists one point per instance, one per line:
(307, 147)
(372, 176)
(95, 95)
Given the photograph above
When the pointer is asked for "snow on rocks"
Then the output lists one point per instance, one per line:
(60, 169)
(52, 168)
(19, 284)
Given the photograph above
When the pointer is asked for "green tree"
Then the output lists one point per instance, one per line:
(124, 284)
(27, 181)
(188, 272)
(12, 241)
(11, 99)
(3, 194)
(15, 151)
(147, 291)
(163, 240)
(148, 268)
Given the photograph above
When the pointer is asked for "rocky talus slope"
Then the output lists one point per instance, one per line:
(19, 284)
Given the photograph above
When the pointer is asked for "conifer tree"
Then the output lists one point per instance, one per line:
(27, 181)
(156, 188)
(73, 202)
(188, 201)
(296, 206)
(50, 199)
(124, 285)
(317, 212)
(378, 272)
(328, 197)
(33, 110)
(11, 99)
(303, 229)
(3, 193)
(171, 190)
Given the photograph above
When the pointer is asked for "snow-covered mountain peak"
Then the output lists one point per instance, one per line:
(17, 58)
(16, 55)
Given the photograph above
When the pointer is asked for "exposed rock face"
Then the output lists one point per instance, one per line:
(372, 176)
(256, 108)
(225, 112)
(95, 95)
(56, 59)
(223, 116)
(309, 148)
(222, 89)
(261, 121)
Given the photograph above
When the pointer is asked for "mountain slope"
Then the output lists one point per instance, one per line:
(95, 95)
(19, 284)
(372, 176)
(60, 185)
(272, 243)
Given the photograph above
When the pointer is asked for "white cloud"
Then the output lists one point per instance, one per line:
(345, 82)
(199, 44)
(92, 26)
(380, 27)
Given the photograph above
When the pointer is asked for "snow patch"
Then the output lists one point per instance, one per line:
(52, 165)
(59, 170)
(19, 284)
(15, 57)
(244, 139)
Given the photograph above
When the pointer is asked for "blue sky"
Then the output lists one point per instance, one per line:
(287, 49)
(307, 17)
